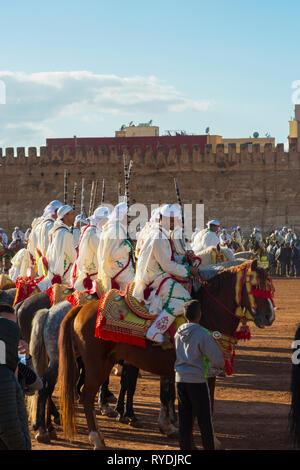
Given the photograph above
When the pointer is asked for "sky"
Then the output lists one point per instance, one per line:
(86, 67)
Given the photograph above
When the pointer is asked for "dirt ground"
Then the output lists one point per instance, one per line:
(251, 408)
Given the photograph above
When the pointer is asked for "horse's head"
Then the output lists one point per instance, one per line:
(259, 291)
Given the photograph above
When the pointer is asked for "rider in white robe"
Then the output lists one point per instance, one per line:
(207, 237)
(115, 268)
(85, 268)
(3, 238)
(158, 270)
(61, 253)
(225, 238)
(46, 225)
(20, 265)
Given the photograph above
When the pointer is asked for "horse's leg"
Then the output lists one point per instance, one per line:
(104, 408)
(44, 396)
(167, 408)
(131, 379)
(121, 398)
(211, 386)
(95, 375)
(40, 425)
(51, 379)
(54, 412)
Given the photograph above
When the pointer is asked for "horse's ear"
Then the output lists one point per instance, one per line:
(254, 265)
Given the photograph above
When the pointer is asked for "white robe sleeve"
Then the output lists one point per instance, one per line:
(162, 253)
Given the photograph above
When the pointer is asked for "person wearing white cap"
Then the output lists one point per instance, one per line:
(257, 236)
(3, 238)
(145, 231)
(159, 279)
(46, 225)
(237, 238)
(115, 268)
(276, 237)
(61, 252)
(283, 232)
(85, 268)
(17, 236)
(290, 237)
(207, 237)
(225, 238)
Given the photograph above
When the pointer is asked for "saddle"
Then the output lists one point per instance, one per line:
(6, 282)
(122, 318)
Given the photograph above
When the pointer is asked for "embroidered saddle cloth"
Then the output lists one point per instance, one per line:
(123, 319)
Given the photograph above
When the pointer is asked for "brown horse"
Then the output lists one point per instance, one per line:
(77, 338)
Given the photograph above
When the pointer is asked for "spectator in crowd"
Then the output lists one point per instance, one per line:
(3, 238)
(295, 260)
(193, 343)
(290, 237)
(271, 250)
(283, 259)
(14, 431)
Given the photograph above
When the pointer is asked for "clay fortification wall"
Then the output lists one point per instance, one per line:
(250, 188)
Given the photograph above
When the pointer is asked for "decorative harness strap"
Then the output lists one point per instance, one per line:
(114, 284)
(58, 228)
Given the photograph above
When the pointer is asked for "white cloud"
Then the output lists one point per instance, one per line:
(45, 104)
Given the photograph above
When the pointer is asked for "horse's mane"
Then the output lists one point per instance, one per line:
(226, 276)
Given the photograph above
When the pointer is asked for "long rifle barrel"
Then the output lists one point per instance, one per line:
(66, 175)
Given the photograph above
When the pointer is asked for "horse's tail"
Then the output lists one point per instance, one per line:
(37, 346)
(67, 373)
(294, 414)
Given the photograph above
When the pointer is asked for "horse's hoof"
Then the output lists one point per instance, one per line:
(121, 418)
(97, 441)
(52, 434)
(107, 411)
(43, 438)
(111, 399)
(218, 445)
(134, 422)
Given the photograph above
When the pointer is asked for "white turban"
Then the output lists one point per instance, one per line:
(155, 214)
(51, 208)
(118, 213)
(80, 218)
(100, 215)
(213, 222)
(170, 210)
(62, 211)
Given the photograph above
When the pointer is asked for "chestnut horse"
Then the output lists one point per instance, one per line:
(77, 338)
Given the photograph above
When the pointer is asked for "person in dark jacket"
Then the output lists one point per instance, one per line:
(14, 432)
(295, 260)
(196, 354)
(283, 258)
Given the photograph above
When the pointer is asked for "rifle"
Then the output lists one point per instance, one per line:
(74, 197)
(66, 176)
(91, 198)
(103, 192)
(127, 174)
